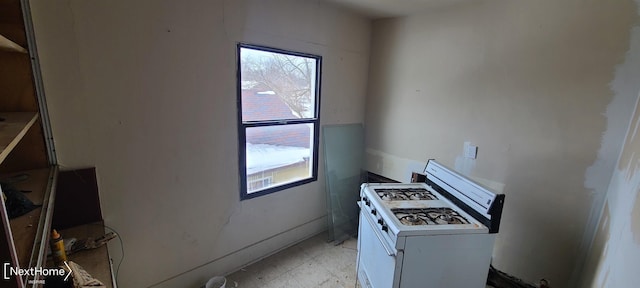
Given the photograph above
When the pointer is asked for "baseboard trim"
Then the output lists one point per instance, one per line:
(234, 261)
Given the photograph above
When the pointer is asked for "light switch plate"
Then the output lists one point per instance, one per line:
(470, 150)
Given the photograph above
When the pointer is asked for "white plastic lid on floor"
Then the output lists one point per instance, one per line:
(216, 282)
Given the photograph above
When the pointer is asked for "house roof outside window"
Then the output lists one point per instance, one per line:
(277, 146)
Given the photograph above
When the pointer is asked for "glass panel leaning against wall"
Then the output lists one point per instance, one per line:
(278, 118)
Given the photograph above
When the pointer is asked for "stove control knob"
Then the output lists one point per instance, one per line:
(380, 222)
(373, 211)
(367, 202)
(385, 228)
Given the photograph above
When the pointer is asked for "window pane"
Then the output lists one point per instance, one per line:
(276, 86)
(278, 155)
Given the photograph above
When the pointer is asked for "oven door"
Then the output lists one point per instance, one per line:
(379, 264)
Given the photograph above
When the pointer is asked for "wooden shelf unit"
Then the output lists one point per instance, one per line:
(23, 148)
(26, 147)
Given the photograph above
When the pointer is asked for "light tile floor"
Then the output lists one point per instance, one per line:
(311, 263)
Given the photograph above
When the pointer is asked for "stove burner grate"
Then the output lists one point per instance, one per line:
(429, 216)
(404, 194)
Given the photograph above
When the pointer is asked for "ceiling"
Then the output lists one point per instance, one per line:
(392, 8)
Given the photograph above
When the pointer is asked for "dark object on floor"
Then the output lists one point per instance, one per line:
(499, 279)
(17, 203)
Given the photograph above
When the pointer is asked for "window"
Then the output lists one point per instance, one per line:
(278, 116)
(256, 184)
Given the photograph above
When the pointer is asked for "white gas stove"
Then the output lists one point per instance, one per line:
(434, 234)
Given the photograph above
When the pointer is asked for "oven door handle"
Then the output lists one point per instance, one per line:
(389, 250)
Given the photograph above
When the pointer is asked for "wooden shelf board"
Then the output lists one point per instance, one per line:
(14, 31)
(94, 261)
(13, 128)
(25, 228)
(10, 46)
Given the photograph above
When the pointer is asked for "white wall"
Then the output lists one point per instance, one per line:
(615, 254)
(145, 91)
(58, 53)
(530, 83)
(615, 250)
